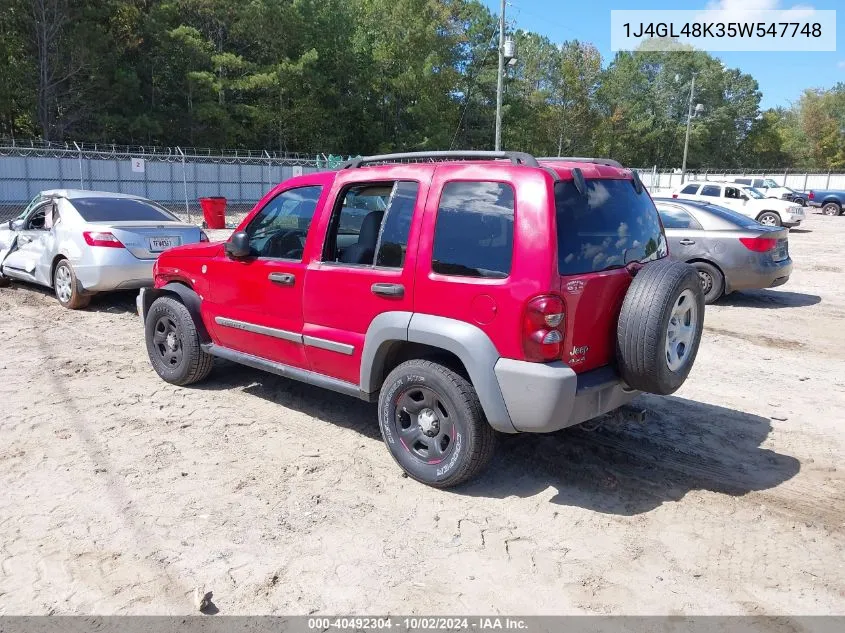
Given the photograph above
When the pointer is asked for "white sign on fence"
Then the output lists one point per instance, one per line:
(138, 165)
(297, 170)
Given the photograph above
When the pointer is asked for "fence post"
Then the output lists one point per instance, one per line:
(79, 150)
(185, 183)
(785, 174)
(827, 186)
(269, 175)
(806, 175)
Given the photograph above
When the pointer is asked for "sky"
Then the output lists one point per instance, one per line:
(782, 76)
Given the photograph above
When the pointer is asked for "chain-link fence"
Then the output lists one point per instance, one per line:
(178, 177)
(174, 177)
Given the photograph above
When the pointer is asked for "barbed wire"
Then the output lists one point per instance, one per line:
(48, 149)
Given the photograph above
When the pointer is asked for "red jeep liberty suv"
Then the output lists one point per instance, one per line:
(465, 292)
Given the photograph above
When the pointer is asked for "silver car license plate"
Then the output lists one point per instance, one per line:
(158, 244)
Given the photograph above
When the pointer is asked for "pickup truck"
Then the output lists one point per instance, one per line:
(832, 202)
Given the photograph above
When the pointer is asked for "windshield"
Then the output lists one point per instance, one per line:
(121, 210)
(751, 192)
(607, 227)
(769, 183)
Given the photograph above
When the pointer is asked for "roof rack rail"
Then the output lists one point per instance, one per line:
(517, 158)
(581, 159)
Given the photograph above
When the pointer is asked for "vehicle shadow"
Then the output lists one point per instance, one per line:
(317, 402)
(621, 468)
(117, 302)
(800, 230)
(771, 299)
(627, 468)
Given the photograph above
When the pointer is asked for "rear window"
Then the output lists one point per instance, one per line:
(608, 227)
(731, 216)
(120, 209)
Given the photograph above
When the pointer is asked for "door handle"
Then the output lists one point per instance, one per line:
(388, 290)
(283, 279)
(686, 242)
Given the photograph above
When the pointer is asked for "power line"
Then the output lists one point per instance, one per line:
(472, 85)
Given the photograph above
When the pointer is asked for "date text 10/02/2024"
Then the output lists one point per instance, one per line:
(418, 623)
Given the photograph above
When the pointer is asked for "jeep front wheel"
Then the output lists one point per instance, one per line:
(173, 343)
(433, 424)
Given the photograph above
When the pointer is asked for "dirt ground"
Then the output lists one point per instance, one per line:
(121, 493)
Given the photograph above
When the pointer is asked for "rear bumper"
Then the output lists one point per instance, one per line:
(121, 272)
(546, 397)
(768, 275)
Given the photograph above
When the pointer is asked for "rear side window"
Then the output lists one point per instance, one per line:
(743, 181)
(393, 243)
(473, 236)
(676, 218)
(690, 189)
(711, 190)
(607, 227)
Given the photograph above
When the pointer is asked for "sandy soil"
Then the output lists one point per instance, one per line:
(122, 493)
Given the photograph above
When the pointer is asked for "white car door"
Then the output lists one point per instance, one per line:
(32, 246)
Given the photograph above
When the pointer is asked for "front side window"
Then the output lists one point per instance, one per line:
(473, 234)
(690, 189)
(711, 190)
(607, 227)
(279, 230)
(733, 193)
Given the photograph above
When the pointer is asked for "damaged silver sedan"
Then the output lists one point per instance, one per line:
(83, 242)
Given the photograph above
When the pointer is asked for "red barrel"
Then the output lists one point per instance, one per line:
(214, 212)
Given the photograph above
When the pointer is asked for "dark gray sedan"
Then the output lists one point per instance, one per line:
(731, 251)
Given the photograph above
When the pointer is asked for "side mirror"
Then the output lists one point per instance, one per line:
(238, 245)
(15, 225)
(744, 197)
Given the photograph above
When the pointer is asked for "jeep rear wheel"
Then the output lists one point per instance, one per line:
(660, 327)
(173, 343)
(433, 424)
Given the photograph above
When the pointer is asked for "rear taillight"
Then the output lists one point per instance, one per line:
(542, 329)
(812, 195)
(759, 244)
(98, 238)
(203, 236)
(674, 195)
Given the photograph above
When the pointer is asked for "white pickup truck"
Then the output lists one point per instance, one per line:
(745, 200)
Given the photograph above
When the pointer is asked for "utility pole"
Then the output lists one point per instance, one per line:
(689, 124)
(500, 79)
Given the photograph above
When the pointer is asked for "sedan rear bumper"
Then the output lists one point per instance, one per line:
(118, 271)
(758, 275)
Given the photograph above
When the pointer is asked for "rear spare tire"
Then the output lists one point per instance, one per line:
(660, 327)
